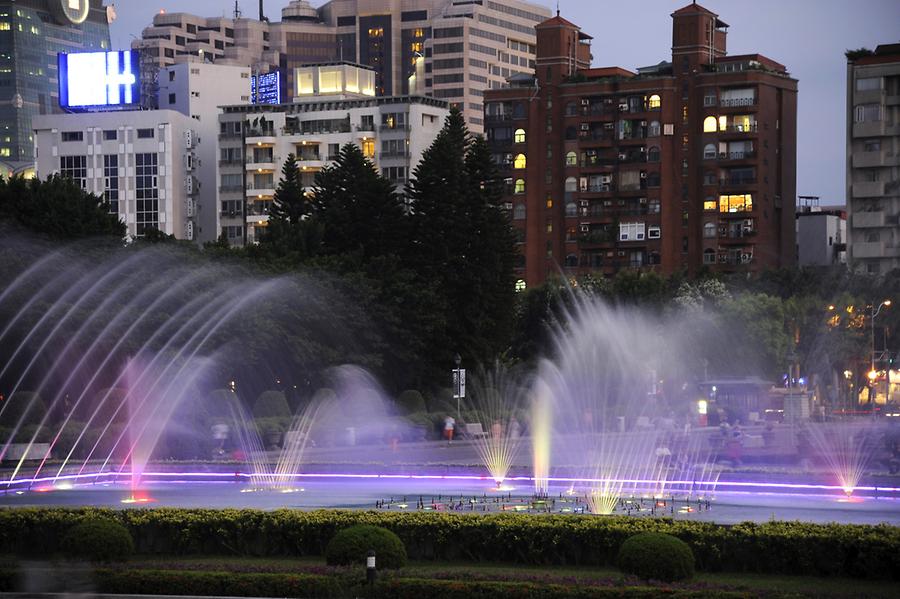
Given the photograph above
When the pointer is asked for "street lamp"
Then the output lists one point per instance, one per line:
(457, 359)
(873, 374)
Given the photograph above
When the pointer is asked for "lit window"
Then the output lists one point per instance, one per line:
(519, 136)
(520, 285)
(520, 186)
(571, 159)
(709, 124)
(4, 26)
(549, 202)
(723, 123)
(736, 203)
(368, 148)
(710, 204)
(631, 231)
(654, 102)
(519, 162)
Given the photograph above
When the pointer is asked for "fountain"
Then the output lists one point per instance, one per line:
(846, 448)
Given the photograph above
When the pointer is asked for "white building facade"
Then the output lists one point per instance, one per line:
(142, 162)
(255, 140)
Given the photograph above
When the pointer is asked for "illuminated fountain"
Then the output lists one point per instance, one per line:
(846, 449)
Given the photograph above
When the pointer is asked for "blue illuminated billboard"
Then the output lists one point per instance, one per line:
(99, 80)
(266, 88)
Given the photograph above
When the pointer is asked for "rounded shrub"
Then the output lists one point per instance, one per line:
(98, 541)
(656, 556)
(271, 404)
(352, 545)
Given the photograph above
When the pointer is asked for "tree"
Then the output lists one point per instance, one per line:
(289, 232)
(58, 208)
(358, 210)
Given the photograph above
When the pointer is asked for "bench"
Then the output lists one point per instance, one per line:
(474, 430)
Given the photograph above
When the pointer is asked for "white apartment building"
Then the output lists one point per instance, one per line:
(873, 159)
(198, 90)
(466, 46)
(141, 161)
(333, 105)
(821, 236)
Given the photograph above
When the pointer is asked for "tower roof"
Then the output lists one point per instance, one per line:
(694, 9)
(558, 21)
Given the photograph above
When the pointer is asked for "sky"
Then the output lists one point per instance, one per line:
(808, 36)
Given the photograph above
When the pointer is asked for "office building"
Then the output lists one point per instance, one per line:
(334, 104)
(32, 32)
(873, 158)
(687, 165)
(143, 162)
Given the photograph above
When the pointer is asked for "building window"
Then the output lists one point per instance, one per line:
(653, 207)
(653, 179)
(709, 256)
(72, 136)
(654, 102)
(872, 145)
(710, 203)
(571, 159)
(368, 148)
(869, 113)
(146, 192)
(111, 182)
(631, 231)
(653, 154)
(709, 230)
(736, 203)
(709, 151)
(145, 133)
(75, 168)
(519, 212)
(519, 161)
(171, 98)
(653, 129)
(710, 125)
(653, 232)
(520, 186)
(571, 185)
(110, 135)
(519, 136)
(868, 84)
(571, 209)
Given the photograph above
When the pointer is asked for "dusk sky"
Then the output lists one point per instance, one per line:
(808, 36)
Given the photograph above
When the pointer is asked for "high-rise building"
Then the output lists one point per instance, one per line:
(873, 158)
(459, 49)
(686, 165)
(32, 32)
(335, 105)
(141, 161)
(467, 47)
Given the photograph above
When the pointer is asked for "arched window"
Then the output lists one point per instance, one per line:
(519, 212)
(710, 125)
(709, 151)
(571, 184)
(571, 209)
(653, 129)
(520, 284)
(653, 179)
(520, 186)
(519, 136)
(709, 256)
(519, 161)
(571, 133)
(571, 159)
(571, 109)
(653, 154)
(709, 230)
(653, 102)
(571, 261)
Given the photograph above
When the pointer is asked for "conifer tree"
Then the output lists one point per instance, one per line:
(289, 231)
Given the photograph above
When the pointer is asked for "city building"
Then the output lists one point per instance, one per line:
(467, 47)
(821, 233)
(334, 104)
(32, 32)
(687, 165)
(197, 90)
(143, 162)
(873, 158)
(459, 49)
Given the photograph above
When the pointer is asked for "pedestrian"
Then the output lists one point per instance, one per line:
(449, 425)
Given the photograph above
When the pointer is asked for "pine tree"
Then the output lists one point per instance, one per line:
(289, 231)
(359, 210)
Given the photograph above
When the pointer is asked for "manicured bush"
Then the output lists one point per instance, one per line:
(411, 402)
(656, 556)
(271, 404)
(98, 541)
(351, 547)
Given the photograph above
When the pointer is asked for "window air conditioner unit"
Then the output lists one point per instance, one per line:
(585, 228)
(585, 102)
(653, 233)
(189, 161)
(189, 185)
(640, 236)
(189, 206)
(621, 253)
(642, 201)
(623, 106)
(188, 139)
(585, 203)
(643, 123)
(585, 127)
(643, 174)
(623, 156)
(605, 178)
(746, 258)
(189, 230)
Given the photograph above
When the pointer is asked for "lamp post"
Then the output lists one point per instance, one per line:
(873, 373)
(457, 383)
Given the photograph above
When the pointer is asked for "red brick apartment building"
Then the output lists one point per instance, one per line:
(685, 165)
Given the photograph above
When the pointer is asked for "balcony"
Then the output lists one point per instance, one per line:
(736, 102)
(868, 159)
(869, 129)
(254, 191)
(231, 162)
(868, 249)
(231, 214)
(395, 154)
(310, 163)
(737, 181)
(258, 219)
(363, 128)
(737, 155)
(868, 219)
(868, 189)
(741, 128)
(265, 164)
(231, 188)
(399, 128)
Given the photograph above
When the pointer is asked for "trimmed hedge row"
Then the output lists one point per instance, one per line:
(773, 548)
(215, 584)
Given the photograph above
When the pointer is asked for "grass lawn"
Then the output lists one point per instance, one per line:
(765, 585)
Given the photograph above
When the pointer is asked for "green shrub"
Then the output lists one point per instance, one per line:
(26, 406)
(351, 546)
(411, 402)
(656, 556)
(271, 404)
(215, 584)
(98, 541)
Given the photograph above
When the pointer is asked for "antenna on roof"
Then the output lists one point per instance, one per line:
(557, 8)
(237, 10)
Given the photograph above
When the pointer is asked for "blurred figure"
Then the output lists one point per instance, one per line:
(449, 425)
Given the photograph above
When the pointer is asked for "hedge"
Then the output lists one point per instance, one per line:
(848, 550)
(215, 584)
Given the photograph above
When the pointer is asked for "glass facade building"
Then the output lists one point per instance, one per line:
(32, 32)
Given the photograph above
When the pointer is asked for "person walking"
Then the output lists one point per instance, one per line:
(449, 425)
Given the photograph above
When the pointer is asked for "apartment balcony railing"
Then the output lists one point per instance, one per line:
(742, 128)
(732, 102)
(595, 238)
(395, 154)
(737, 155)
(231, 214)
(398, 128)
(737, 181)
(231, 188)
(231, 162)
